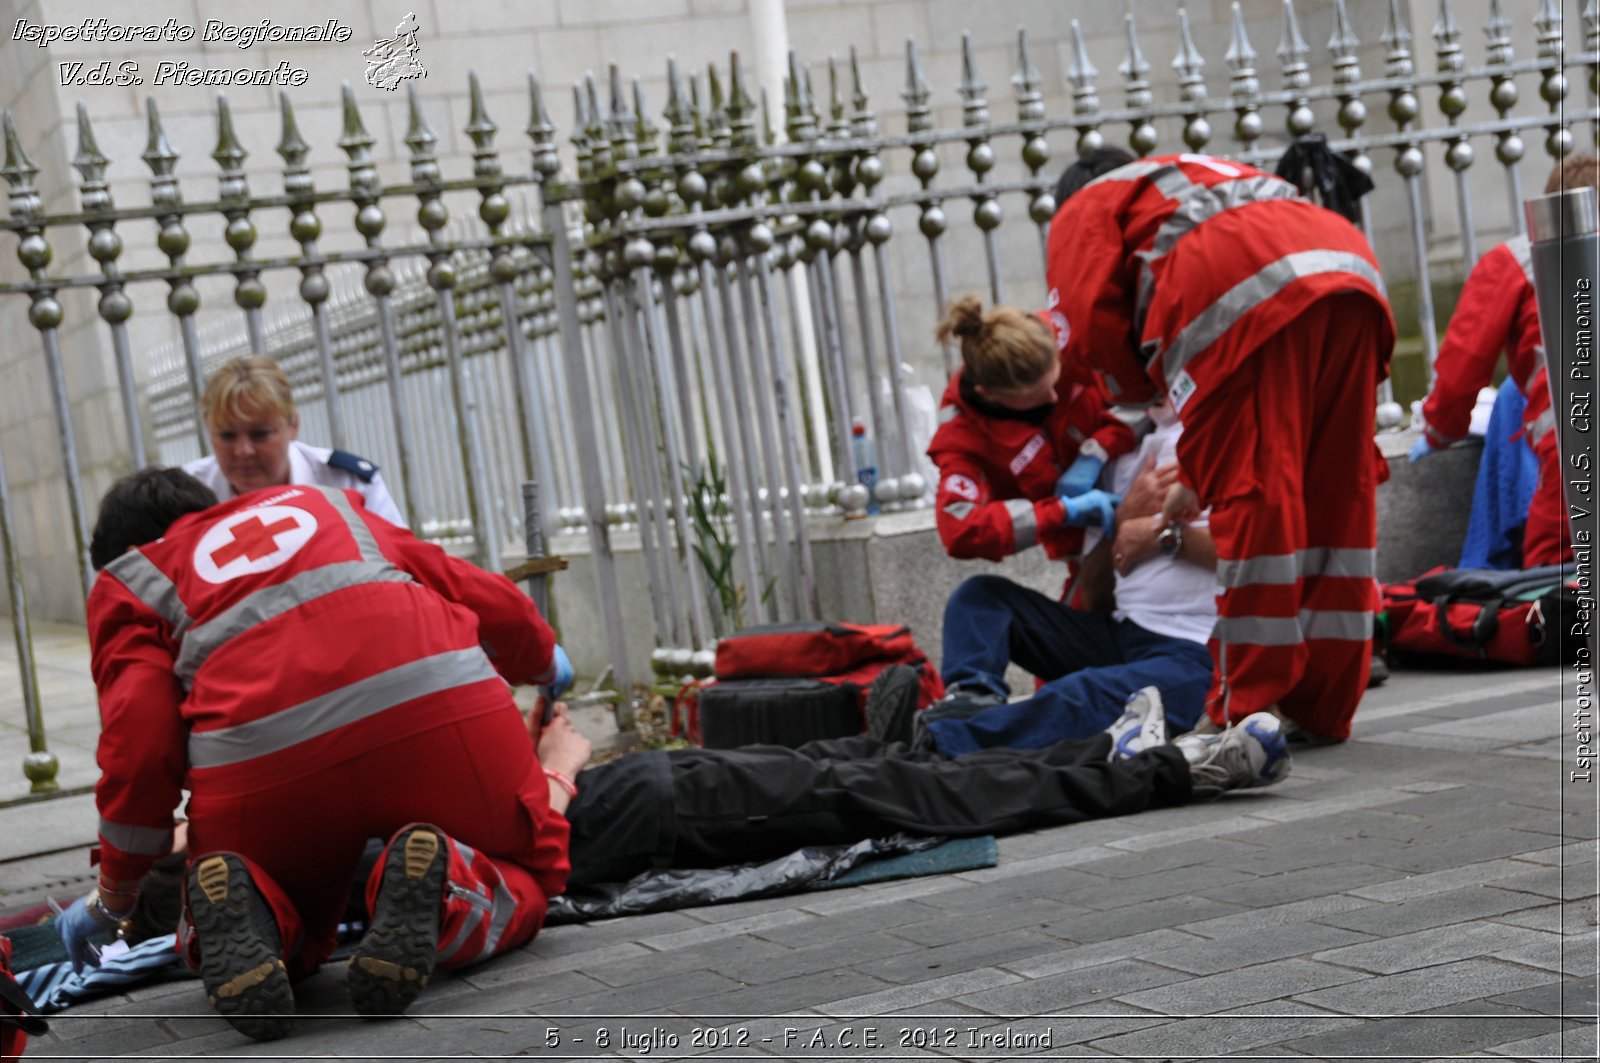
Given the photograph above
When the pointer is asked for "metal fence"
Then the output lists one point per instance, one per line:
(680, 334)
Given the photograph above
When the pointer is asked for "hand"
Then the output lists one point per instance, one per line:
(1080, 476)
(561, 746)
(1181, 505)
(564, 675)
(1092, 508)
(1138, 540)
(1420, 449)
(76, 926)
(1149, 489)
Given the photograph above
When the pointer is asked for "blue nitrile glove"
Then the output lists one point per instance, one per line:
(1080, 476)
(76, 926)
(1419, 450)
(564, 675)
(1092, 508)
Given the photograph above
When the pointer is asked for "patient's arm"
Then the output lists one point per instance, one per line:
(1097, 585)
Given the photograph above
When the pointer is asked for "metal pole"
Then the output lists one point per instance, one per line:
(40, 765)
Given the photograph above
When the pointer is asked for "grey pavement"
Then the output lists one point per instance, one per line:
(1424, 891)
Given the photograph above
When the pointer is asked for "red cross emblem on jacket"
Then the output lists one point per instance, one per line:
(253, 540)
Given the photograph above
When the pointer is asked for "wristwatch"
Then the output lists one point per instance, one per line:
(1170, 541)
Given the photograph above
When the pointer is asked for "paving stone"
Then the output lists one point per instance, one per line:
(1576, 1040)
(1569, 996)
(1189, 880)
(1573, 955)
(1029, 912)
(1125, 922)
(705, 932)
(719, 955)
(1582, 854)
(915, 965)
(1137, 946)
(1420, 913)
(1578, 918)
(1207, 956)
(1069, 884)
(1567, 884)
(1058, 991)
(1074, 1027)
(609, 931)
(1432, 987)
(1222, 1035)
(917, 994)
(1428, 948)
(1268, 890)
(132, 1033)
(790, 962)
(1313, 908)
(1428, 1037)
(892, 893)
(1236, 988)
(1221, 852)
(1400, 889)
(641, 996)
(863, 920)
(775, 998)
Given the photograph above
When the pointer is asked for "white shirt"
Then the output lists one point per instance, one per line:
(309, 465)
(1164, 595)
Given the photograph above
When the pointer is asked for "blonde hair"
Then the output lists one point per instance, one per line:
(1002, 347)
(1574, 171)
(244, 387)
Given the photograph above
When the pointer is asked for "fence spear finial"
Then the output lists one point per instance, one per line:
(1293, 50)
(1025, 82)
(419, 137)
(292, 147)
(1447, 39)
(1081, 73)
(1498, 32)
(918, 115)
(1549, 24)
(644, 127)
(19, 172)
(1344, 44)
(89, 161)
(1134, 69)
(973, 89)
(1188, 62)
(480, 127)
(230, 154)
(1396, 40)
(1241, 58)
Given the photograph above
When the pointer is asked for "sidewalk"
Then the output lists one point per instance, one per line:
(1427, 890)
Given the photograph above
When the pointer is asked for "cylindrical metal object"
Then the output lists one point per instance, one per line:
(1564, 230)
(40, 765)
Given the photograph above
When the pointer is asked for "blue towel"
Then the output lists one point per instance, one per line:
(1507, 475)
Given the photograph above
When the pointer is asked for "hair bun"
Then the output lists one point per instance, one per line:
(963, 319)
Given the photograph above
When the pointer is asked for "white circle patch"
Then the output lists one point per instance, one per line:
(253, 540)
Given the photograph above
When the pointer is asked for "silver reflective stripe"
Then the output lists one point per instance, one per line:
(358, 527)
(337, 708)
(1209, 325)
(470, 927)
(1024, 528)
(1341, 561)
(141, 841)
(1271, 569)
(1522, 251)
(1197, 204)
(1131, 172)
(1347, 626)
(1290, 631)
(505, 906)
(1541, 426)
(948, 414)
(960, 510)
(273, 601)
(152, 587)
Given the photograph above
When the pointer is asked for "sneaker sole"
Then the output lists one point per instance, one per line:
(891, 701)
(244, 977)
(395, 958)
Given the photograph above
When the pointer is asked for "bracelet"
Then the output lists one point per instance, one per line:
(107, 890)
(120, 922)
(564, 781)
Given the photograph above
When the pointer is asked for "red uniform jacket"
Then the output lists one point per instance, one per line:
(1170, 258)
(266, 637)
(997, 475)
(1497, 313)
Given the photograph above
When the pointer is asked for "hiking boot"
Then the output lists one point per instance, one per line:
(392, 963)
(240, 949)
(891, 702)
(1296, 735)
(1251, 753)
(1379, 674)
(1142, 725)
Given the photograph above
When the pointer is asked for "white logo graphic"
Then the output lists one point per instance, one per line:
(1181, 390)
(1029, 451)
(961, 487)
(1058, 321)
(253, 540)
(393, 60)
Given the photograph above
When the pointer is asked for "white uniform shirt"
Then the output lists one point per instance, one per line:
(1164, 595)
(309, 465)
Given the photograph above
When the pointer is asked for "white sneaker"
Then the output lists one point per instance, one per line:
(1142, 725)
(1251, 753)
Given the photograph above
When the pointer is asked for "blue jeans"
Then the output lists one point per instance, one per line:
(1089, 662)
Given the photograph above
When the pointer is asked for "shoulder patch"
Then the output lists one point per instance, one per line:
(354, 464)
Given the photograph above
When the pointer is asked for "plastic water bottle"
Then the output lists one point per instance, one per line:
(866, 462)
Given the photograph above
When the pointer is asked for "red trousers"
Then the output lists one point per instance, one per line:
(1547, 537)
(475, 779)
(1282, 452)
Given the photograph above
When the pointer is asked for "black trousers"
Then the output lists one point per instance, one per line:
(707, 808)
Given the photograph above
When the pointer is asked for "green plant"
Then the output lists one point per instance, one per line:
(707, 488)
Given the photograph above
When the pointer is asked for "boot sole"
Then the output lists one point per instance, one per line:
(395, 958)
(244, 977)
(891, 703)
